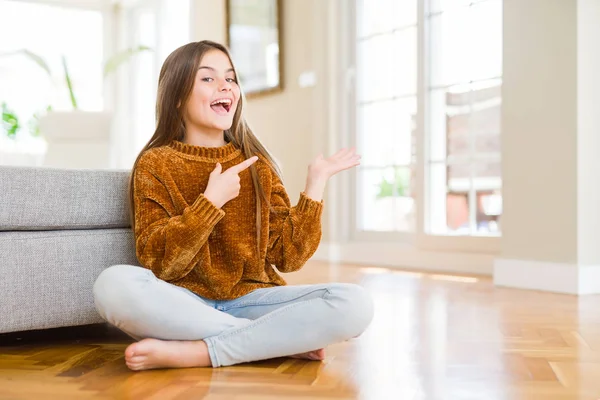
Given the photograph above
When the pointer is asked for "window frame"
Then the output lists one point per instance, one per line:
(420, 237)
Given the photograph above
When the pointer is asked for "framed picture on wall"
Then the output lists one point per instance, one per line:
(254, 40)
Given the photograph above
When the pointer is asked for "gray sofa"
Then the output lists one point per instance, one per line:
(59, 228)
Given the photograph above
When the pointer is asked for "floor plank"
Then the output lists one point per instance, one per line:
(434, 336)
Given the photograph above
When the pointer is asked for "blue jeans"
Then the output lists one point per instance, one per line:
(266, 323)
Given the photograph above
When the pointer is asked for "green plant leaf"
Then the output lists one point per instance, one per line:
(10, 121)
(38, 60)
(386, 189)
(32, 56)
(397, 188)
(69, 83)
(115, 61)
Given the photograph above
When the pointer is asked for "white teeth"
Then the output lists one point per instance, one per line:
(222, 101)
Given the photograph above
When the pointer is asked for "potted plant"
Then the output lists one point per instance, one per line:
(77, 138)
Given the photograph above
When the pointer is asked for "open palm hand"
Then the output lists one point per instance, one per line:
(325, 168)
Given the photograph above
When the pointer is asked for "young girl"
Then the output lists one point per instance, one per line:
(211, 218)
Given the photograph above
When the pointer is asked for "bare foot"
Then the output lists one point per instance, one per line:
(316, 355)
(154, 353)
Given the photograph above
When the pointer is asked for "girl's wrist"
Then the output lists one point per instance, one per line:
(315, 188)
(210, 198)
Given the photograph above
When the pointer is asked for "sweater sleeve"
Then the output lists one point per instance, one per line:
(294, 232)
(165, 243)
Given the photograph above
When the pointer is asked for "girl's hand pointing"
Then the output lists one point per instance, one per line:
(225, 186)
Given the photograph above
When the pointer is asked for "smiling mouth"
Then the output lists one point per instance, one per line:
(221, 106)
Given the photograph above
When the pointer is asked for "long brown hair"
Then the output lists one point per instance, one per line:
(175, 84)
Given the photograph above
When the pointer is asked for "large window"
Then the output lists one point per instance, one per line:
(51, 33)
(163, 26)
(386, 111)
(87, 34)
(463, 122)
(428, 84)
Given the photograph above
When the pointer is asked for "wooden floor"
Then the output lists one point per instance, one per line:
(433, 337)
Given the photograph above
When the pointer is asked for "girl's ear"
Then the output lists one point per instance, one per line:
(179, 104)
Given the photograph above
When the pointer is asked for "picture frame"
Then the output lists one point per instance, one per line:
(254, 38)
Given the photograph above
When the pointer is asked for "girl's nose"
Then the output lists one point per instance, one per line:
(225, 85)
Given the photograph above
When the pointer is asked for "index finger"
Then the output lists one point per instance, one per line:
(243, 165)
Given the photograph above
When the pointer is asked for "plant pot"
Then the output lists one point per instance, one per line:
(77, 139)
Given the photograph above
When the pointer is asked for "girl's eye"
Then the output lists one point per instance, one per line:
(207, 79)
(231, 80)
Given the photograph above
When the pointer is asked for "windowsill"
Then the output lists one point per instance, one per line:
(466, 235)
(481, 244)
(406, 256)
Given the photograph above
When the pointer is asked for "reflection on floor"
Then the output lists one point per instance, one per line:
(433, 337)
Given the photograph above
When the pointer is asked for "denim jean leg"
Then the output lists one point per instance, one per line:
(292, 319)
(134, 300)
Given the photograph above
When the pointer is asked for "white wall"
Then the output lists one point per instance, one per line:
(208, 20)
(551, 146)
(539, 126)
(551, 131)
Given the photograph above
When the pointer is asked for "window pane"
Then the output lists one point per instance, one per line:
(28, 88)
(488, 143)
(459, 178)
(449, 194)
(450, 47)
(438, 114)
(480, 179)
(387, 65)
(143, 25)
(487, 184)
(489, 211)
(457, 205)
(375, 130)
(444, 5)
(375, 16)
(485, 99)
(369, 15)
(485, 25)
(374, 63)
(404, 67)
(464, 121)
(449, 122)
(404, 12)
(466, 44)
(437, 193)
(385, 199)
(386, 132)
(458, 118)
(452, 187)
(486, 174)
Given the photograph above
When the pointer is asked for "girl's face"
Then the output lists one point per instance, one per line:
(215, 95)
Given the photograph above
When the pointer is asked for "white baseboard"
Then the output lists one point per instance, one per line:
(405, 256)
(547, 276)
(522, 274)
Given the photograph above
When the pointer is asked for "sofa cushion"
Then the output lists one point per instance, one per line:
(47, 277)
(36, 198)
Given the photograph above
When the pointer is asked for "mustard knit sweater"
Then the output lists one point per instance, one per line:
(187, 241)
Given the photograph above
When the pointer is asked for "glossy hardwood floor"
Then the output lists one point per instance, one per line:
(434, 336)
